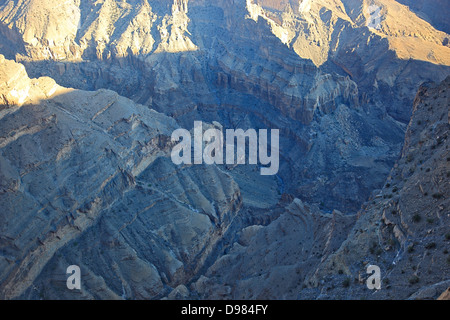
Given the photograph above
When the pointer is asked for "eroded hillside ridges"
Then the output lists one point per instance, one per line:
(219, 61)
(242, 69)
(94, 168)
(310, 241)
(404, 229)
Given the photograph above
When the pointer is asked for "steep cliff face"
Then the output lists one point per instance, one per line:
(89, 166)
(227, 61)
(274, 261)
(37, 27)
(310, 27)
(434, 11)
(405, 228)
(90, 169)
(81, 29)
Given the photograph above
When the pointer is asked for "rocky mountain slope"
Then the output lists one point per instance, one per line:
(228, 62)
(78, 165)
(404, 230)
(86, 176)
(434, 11)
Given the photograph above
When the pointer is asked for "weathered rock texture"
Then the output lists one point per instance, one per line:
(405, 229)
(304, 254)
(434, 11)
(86, 176)
(90, 170)
(230, 62)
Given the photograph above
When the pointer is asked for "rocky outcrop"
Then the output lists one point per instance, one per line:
(15, 84)
(78, 169)
(212, 61)
(404, 228)
(78, 29)
(435, 12)
(85, 177)
(305, 254)
(273, 261)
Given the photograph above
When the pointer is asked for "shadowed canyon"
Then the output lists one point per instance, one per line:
(91, 92)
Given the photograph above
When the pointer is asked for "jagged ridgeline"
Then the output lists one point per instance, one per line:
(91, 92)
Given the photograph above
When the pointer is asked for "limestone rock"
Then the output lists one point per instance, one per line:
(86, 177)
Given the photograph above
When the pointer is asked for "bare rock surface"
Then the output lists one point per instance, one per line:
(315, 70)
(405, 229)
(78, 171)
(85, 170)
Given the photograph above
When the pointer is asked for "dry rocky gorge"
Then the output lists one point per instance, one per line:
(90, 93)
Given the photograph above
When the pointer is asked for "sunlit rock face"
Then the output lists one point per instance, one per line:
(82, 29)
(220, 61)
(435, 12)
(90, 166)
